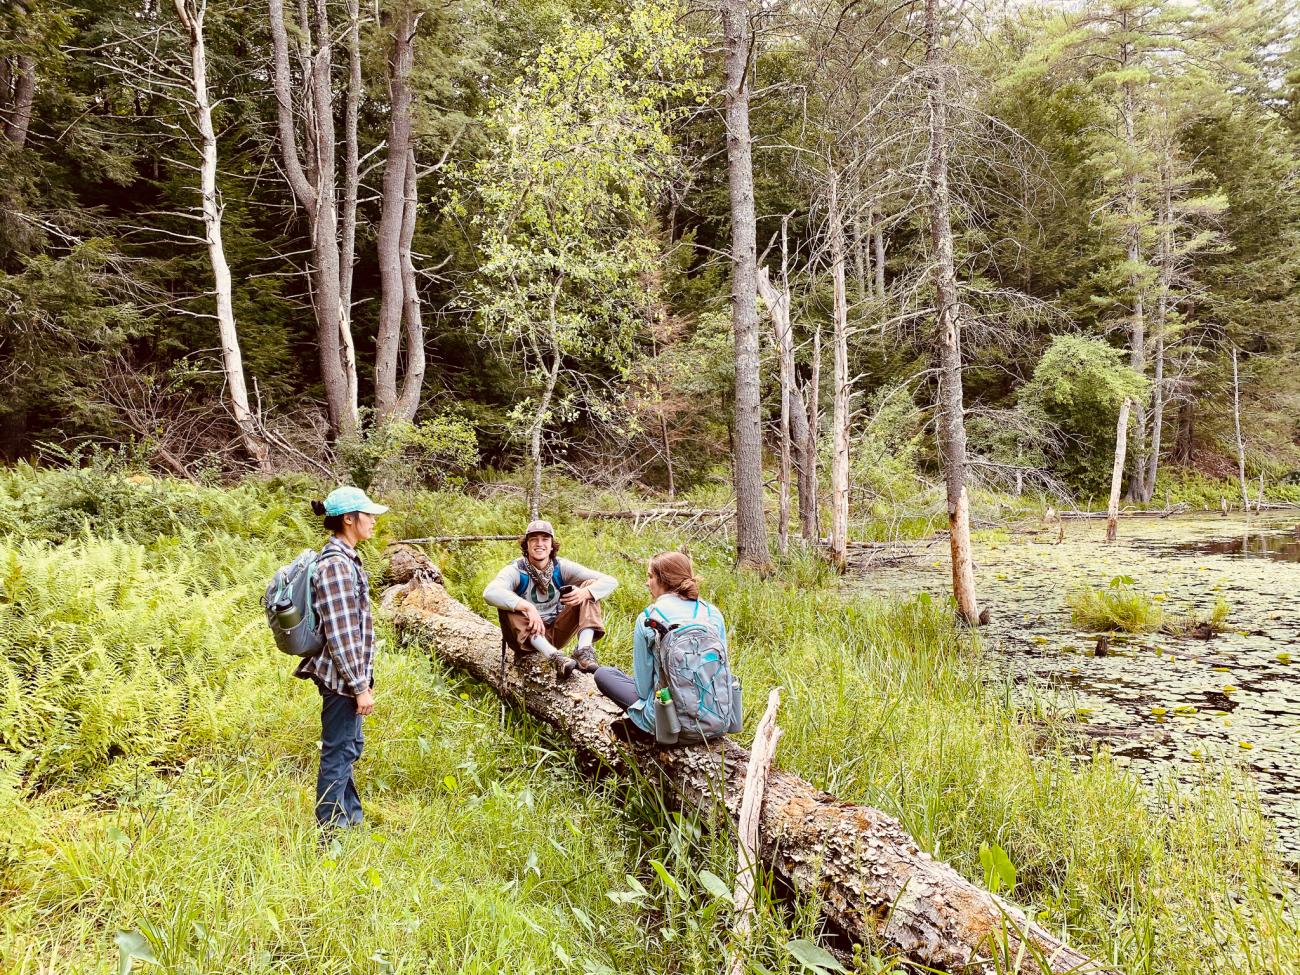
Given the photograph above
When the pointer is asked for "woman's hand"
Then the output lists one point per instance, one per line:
(365, 702)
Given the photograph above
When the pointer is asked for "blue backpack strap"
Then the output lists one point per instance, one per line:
(521, 586)
(557, 578)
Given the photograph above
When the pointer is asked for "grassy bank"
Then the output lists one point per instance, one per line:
(156, 767)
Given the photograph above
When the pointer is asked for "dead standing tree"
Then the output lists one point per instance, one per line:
(747, 449)
(191, 13)
(315, 189)
(952, 423)
(178, 84)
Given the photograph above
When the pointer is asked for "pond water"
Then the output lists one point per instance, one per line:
(1162, 704)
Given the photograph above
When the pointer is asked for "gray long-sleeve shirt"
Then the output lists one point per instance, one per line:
(503, 591)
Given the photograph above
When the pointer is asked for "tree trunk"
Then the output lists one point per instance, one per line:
(862, 258)
(878, 235)
(19, 116)
(191, 14)
(388, 244)
(1157, 419)
(778, 306)
(1186, 432)
(952, 421)
(868, 876)
(751, 529)
(351, 183)
(1236, 426)
(1166, 260)
(316, 196)
(544, 404)
(1137, 327)
(668, 454)
(1117, 472)
(840, 422)
(535, 439)
(812, 514)
(408, 399)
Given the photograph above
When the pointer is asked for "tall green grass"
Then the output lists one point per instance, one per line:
(173, 801)
(1122, 606)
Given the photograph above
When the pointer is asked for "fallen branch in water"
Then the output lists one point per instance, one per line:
(868, 876)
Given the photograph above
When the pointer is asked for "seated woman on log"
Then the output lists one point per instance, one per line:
(681, 674)
(543, 600)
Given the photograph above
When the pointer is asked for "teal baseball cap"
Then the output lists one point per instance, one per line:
(345, 500)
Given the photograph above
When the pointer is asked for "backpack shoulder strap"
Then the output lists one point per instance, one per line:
(521, 585)
(557, 578)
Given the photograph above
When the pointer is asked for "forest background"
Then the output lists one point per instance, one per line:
(460, 233)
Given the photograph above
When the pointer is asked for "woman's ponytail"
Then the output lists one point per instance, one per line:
(676, 574)
(318, 508)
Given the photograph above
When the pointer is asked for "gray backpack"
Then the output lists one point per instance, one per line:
(691, 661)
(290, 612)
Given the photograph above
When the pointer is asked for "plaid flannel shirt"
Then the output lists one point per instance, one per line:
(341, 597)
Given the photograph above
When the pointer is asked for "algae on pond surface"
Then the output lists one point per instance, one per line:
(1162, 703)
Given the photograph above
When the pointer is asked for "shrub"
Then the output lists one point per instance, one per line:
(401, 455)
(1120, 606)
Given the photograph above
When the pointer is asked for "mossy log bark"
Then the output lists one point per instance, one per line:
(872, 881)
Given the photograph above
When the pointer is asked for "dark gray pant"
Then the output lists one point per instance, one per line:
(617, 686)
(337, 802)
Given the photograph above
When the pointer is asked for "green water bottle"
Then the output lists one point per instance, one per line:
(667, 726)
(287, 616)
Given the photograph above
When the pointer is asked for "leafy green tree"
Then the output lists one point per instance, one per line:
(578, 150)
(1078, 386)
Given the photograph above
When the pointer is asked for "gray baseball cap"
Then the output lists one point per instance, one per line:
(539, 527)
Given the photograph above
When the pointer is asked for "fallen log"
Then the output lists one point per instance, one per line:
(1181, 508)
(865, 872)
(658, 514)
(456, 539)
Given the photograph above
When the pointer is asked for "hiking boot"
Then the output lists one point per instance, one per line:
(564, 667)
(586, 660)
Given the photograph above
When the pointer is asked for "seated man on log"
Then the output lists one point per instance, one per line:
(543, 600)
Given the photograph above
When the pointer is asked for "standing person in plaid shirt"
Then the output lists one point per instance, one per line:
(343, 671)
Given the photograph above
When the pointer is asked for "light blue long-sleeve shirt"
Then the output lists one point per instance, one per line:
(667, 609)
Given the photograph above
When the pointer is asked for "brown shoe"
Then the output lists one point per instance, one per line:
(564, 667)
(586, 660)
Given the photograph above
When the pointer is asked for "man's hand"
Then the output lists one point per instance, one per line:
(579, 595)
(536, 625)
(365, 702)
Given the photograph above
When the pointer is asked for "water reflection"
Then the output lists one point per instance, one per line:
(1161, 703)
(1281, 546)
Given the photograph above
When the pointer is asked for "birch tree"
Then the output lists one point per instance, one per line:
(175, 84)
(191, 14)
